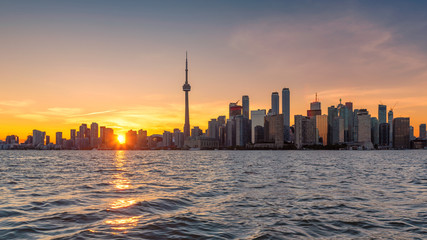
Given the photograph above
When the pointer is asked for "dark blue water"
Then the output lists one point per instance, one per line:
(213, 194)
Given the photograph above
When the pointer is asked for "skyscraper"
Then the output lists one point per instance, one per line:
(186, 88)
(257, 119)
(322, 128)
(364, 126)
(401, 133)
(274, 103)
(38, 138)
(382, 113)
(245, 105)
(390, 122)
(423, 130)
(286, 113)
(94, 135)
(58, 138)
(315, 108)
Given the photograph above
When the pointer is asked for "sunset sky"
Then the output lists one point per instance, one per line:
(121, 63)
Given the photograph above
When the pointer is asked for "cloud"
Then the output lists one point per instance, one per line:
(33, 117)
(348, 50)
(16, 103)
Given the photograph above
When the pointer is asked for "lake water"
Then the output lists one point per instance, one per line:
(213, 194)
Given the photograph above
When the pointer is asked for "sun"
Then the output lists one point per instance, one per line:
(121, 139)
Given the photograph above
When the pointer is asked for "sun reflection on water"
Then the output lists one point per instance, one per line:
(120, 182)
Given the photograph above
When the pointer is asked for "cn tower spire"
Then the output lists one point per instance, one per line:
(186, 88)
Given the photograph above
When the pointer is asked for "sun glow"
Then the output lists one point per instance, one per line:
(121, 139)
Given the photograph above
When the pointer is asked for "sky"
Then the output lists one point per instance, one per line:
(121, 63)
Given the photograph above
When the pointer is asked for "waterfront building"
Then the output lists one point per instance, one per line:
(273, 130)
(242, 131)
(196, 132)
(213, 129)
(349, 106)
(178, 138)
(230, 133)
(94, 135)
(286, 111)
(332, 114)
(257, 119)
(411, 133)
(384, 134)
(322, 129)
(375, 131)
(73, 136)
(142, 138)
(131, 139)
(274, 103)
(338, 131)
(305, 131)
(364, 127)
(245, 106)
(47, 140)
(401, 133)
(234, 110)
(186, 88)
(422, 131)
(355, 126)
(167, 139)
(382, 113)
(38, 138)
(390, 122)
(259, 134)
(315, 108)
(58, 138)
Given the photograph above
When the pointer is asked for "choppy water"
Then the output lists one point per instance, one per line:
(213, 194)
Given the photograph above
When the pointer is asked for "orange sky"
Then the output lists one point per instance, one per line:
(122, 66)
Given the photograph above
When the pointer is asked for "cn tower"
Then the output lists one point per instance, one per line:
(186, 88)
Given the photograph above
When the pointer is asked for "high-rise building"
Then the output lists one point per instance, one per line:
(355, 126)
(257, 119)
(213, 129)
(401, 133)
(382, 113)
(286, 111)
(315, 108)
(142, 139)
(38, 138)
(230, 133)
(322, 129)
(47, 140)
(390, 122)
(186, 88)
(349, 106)
(196, 132)
(411, 133)
(384, 134)
(245, 106)
(332, 114)
(423, 131)
(73, 136)
(131, 139)
(58, 138)
(94, 135)
(305, 131)
(274, 103)
(375, 131)
(234, 110)
(242, 133)
(364, 126)
(167, 139)
(273, 130)
(259, 134)
(178, 138)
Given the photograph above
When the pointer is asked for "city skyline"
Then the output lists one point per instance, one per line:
(121, 66)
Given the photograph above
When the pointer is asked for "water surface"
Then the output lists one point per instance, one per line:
(213, 194)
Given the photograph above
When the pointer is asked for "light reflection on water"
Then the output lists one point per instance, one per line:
(213, 194)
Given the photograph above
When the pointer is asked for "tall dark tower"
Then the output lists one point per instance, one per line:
(186, 88)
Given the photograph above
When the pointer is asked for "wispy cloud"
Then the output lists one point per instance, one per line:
(16, 103)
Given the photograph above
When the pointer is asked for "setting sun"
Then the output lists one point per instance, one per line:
(121, 139)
